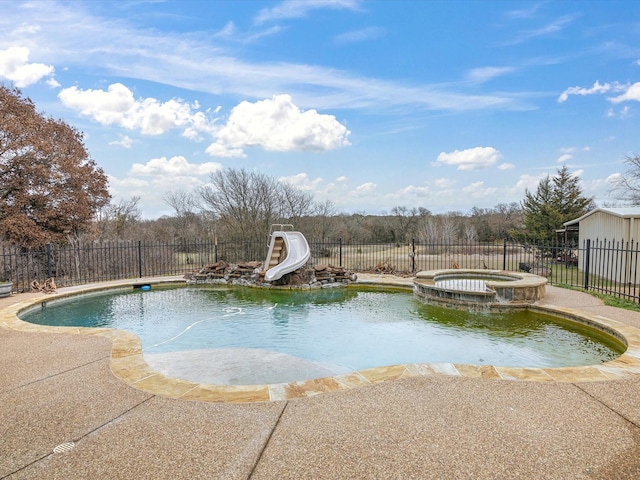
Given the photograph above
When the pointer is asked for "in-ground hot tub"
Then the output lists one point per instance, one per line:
(479, 287)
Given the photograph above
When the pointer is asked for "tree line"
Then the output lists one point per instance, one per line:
(52, 191)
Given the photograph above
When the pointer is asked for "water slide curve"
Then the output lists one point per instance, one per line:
(288, 251)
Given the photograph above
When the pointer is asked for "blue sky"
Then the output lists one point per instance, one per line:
(446, 105)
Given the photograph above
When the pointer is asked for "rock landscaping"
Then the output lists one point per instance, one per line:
(252, 274)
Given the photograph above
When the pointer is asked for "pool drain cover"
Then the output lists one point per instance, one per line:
(64, 447)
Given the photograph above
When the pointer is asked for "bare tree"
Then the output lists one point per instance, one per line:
(430, 230)
(406, 220)
(470, 233)
(182, 202)
(508, 217)
(115, 219)
(246, 203)
(449, 229)
(324, 221)
(185, 205)
(295, 203)
(626, 187)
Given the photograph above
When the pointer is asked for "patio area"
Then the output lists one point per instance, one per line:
(60, 388)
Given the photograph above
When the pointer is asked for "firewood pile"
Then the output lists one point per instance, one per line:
(384, 267)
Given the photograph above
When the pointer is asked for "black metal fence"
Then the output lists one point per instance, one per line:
(606, 266)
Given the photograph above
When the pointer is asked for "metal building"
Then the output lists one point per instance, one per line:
(613, 232)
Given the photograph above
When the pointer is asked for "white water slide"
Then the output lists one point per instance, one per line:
(288, 251)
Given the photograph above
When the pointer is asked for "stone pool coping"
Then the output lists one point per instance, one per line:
(127, 362)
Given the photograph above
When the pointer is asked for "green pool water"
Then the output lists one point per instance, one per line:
(327, 331)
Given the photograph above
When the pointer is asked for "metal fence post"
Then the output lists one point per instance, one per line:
(340, 250)
(586, 264)
(49, 260)
(139, 259)
(504, 254)
(413, 255)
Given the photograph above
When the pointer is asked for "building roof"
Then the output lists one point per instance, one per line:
(623, 212)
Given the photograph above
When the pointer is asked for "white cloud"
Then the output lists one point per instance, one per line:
(527, 12)
(477, 190)
(78, 38)
(121, 185)
(117, 106)
(227, 31)
(155, 178)
(302, 181)
(470, 159)
(415, 191)
(201, 123)
(125, 141)
(506, 166)
(623, 113)
(529, 182)
(544, 31)
(277, 124)
(564, 157)
(484, 74)
(362, 35)
(264, 33)
(177, 166)
(365, 188)
(222, 151)
(15, 66)
(297, 9)
(596, 88)
(631, 93)
(613, 179)
(444, 183)
(341, 178)
(53, 83)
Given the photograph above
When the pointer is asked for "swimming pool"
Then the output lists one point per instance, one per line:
(244, 336)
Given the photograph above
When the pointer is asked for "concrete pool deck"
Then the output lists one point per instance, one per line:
(57, 388)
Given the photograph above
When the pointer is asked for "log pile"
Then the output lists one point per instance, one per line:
(385, 267)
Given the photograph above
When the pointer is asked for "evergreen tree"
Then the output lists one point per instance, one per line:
(557, 199)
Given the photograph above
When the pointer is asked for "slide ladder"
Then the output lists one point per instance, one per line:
(288, 251)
